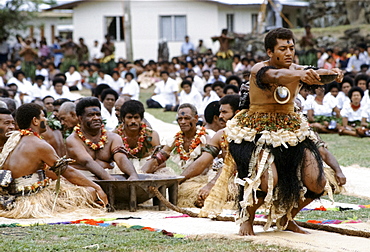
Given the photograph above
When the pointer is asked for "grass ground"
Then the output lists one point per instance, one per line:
(112, 238)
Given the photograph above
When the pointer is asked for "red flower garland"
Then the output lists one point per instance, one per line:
(140, 140)
(88, 142)
(28, 132)
(179, 143)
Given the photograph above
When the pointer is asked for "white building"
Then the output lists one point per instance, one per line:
(154, 21)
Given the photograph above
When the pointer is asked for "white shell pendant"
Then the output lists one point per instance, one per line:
(282, 94)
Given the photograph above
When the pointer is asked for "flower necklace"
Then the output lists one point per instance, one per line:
(179, 143)
(88, 142)
(29, 132)
(140, 140)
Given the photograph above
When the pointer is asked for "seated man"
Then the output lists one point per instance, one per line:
(228, 108)
(68, 117)
(7, 124)
(26, 158)
(93, 147)
(138, 139)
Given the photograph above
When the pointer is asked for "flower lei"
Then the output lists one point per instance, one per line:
(28, 132)
(179, 143)
(140, 140)
(88, 142)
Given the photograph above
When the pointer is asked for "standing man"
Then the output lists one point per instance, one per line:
(93, 147)
(82, 51)
(186, 46)
(107, 62)
(29, 56)
(273, 147)
(29, 165)
(224, 54)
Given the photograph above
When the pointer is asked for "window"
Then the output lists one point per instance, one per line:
(114, 27)
(230, 22)
(172, 28)
(255, 23)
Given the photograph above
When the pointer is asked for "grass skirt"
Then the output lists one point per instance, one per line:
(70, 199)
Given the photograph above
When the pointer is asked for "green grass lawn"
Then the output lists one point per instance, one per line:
(111, 238)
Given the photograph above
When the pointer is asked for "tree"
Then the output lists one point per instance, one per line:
(15, 14)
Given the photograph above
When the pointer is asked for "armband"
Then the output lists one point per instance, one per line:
(259, 77)
(61, 165)
(211, 149)
(121, 149)
(160, 155)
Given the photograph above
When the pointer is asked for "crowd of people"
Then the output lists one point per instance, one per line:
(107, 133)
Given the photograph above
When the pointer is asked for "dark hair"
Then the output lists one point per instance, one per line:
(107, 92)
(354, 89)
(58, 80)
(62, 75)
(234, 77)
(361, 77)
(218, 84)
(5, 111)
(132, 107)
(164, 72)
(232, 100)
(212, 109)
(86, 102)
(60, 101)
(332, 85)
(230, 86)
(10, 103)
(278, 33)
(25, 114)
(18, 72)
(346, 79)
(205, 86)
(39, 77)
(186, 82)
(99, 89)
(48, 96)
(115, 72)
(129, 73)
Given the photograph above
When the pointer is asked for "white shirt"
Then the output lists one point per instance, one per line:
(107, 79)
(24, 86)
(366, 112)
(131, 88)
(326, 109)
(38, 92)
(65, 93)
(71, 78)
(207, 100)
(355, 63)
(342, 99)
(116, 85)
(198, 84)
(110, 118)
(351, 115)
(193, 98)
(165, 92)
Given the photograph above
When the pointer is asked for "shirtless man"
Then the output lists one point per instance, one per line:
(7, 124)
(228, 108)
(33, 153)
(224, 54)
(107, 62)
(138, 139)
(67, 115)
(70, 54)
(29, 56)
(269, 141)
(93, 147)
(184, 145)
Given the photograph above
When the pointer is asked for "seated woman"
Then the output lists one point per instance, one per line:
(352, 113)
(344, 88)
(323, 114)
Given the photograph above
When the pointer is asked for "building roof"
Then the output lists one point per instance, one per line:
(302, 3)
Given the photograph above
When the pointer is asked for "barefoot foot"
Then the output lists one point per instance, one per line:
(292, 226)
(246, 228)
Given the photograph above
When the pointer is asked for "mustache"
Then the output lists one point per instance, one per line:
(133, 124)
(221, 120)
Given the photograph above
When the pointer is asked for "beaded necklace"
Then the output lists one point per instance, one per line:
(179, 143)
(88, 142)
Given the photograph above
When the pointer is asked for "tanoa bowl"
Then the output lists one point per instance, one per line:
(328, 78)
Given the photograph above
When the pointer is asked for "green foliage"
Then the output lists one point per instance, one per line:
(15, 14)
(82, 238)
